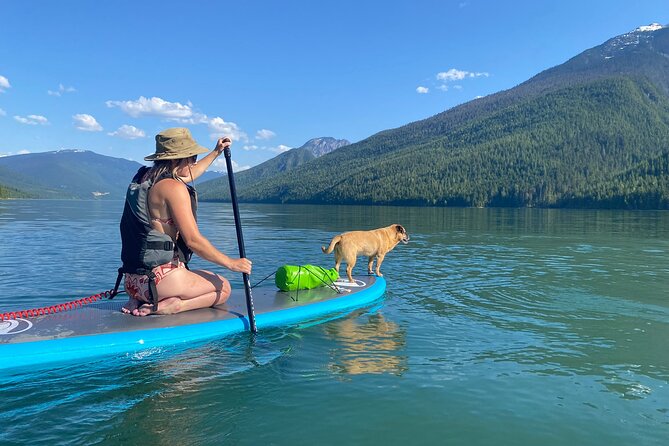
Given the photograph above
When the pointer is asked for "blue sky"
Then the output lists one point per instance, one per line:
(107, 76)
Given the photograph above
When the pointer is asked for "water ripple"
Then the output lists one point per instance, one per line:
(493, 321)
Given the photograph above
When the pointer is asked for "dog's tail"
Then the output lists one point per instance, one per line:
(333, 243)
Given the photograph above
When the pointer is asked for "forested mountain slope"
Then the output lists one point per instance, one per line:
(568, 132)
(218, 189)
(66, 174)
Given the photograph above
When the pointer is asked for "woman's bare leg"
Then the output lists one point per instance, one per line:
(183, 290)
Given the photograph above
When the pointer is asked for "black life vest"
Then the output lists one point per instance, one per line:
(143, 248)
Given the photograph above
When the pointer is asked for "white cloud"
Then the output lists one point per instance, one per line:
(422, 90)
(4, 84)
(265, 134)
(32, 120)
(61, 89)
(153, 107)
(219, 127)
(457, 75)
(451, 75)
(184, 114)
(220, 166)
(20, 152)
(279, 149)
(442, 87)
(237, 168)
(195, 118)
(87, 123)
(128, 132)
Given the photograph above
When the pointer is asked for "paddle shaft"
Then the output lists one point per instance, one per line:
(240, 239)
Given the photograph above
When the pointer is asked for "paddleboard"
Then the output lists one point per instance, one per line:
(102, 329)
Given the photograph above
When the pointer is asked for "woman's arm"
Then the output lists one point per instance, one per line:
(178, 204)
(201, 166)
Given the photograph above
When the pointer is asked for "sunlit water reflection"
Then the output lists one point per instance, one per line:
(499, 326)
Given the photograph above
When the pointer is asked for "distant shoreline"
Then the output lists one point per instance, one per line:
(602, 208)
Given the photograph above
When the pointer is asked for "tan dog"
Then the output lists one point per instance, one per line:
(374, 244)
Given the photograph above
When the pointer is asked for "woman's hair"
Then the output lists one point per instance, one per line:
(166, 168)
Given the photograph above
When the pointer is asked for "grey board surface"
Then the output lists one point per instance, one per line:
(106, 316)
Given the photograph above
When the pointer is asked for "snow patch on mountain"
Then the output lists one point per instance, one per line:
(630, 39)
(651, 27)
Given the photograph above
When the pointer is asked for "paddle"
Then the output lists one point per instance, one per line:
(240, 240)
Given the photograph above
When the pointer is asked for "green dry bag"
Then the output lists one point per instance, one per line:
(304, 277)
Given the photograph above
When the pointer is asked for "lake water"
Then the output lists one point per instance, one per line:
(499, 326)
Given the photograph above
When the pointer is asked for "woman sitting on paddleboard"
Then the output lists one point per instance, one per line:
(159, 232)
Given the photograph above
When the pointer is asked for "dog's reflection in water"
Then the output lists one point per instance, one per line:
(371, 345)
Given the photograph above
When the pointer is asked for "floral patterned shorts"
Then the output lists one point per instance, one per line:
(137, 285)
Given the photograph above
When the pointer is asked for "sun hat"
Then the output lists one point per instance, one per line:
(175, 143)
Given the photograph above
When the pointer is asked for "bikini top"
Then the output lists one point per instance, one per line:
(165, 221)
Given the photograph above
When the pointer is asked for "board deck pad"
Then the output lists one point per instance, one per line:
(101, 328)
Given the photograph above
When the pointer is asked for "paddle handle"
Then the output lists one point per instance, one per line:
(240, 240)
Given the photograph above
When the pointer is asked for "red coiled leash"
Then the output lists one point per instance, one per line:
(34, 312)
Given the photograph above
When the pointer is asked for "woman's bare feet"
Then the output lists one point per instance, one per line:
(171, 305)
(130, 306)
(143, 310)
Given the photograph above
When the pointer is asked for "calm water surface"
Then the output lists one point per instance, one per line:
(499, 326)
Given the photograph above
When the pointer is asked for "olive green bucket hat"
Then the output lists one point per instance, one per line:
(175, 143)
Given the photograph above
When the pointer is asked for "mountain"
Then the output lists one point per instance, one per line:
(641, 53)
(77, 174)
(210, 175)
(8, 180)
(6, 191)
(218, 189)
(322, 146)
(631, 187)
(558, 139)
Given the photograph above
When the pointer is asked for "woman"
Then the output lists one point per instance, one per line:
(159, 232)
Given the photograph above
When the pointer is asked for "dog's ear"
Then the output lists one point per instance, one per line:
(400, 229)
